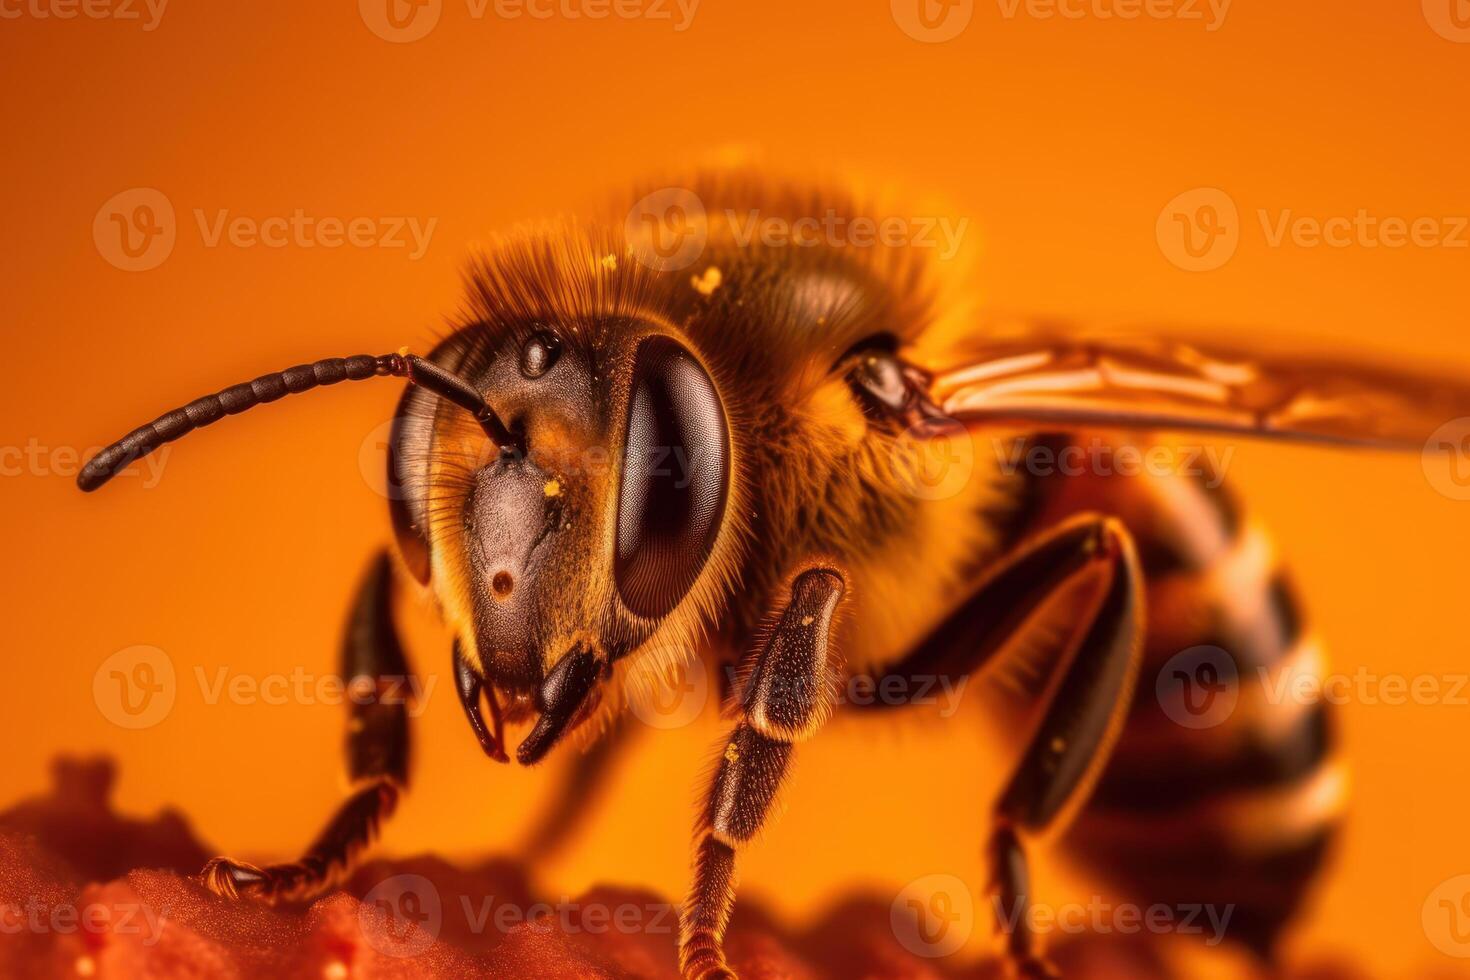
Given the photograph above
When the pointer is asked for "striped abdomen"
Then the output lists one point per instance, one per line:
(1223, 788)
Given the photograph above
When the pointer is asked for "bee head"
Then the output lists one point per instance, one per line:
(561, 495)
(561, 551)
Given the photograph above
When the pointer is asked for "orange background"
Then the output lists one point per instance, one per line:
(1060, 139)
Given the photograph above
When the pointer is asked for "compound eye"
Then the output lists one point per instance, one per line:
(539, 354)
(676, 474)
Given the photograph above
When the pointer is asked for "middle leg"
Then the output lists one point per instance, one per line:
(1071, 602)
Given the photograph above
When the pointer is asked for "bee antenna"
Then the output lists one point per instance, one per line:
(267, 388)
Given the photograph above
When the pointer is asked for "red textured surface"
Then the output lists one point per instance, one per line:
(86, 892)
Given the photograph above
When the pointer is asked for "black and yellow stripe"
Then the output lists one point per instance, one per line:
(1241, 813)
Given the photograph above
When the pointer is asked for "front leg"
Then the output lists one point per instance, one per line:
(377, 759)
(787, 695)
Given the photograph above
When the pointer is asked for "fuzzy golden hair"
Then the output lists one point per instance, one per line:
(812, 477)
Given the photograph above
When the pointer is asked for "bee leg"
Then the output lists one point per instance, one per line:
(374, 667)
(784, 699)
(1093, 681)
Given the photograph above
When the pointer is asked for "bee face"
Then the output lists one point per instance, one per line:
(589, 531)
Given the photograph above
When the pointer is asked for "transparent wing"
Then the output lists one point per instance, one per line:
(1062, 376)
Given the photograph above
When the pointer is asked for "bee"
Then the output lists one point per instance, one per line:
(616, 456)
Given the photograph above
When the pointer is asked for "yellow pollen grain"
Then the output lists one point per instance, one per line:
(552, 488)
(706, 283)
(610, 262)
(807, 620)
(732, 754)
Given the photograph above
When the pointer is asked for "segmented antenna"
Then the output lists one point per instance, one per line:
(267, 388)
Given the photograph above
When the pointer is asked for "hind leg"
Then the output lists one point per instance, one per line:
(1080, 701)
(377, 758)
